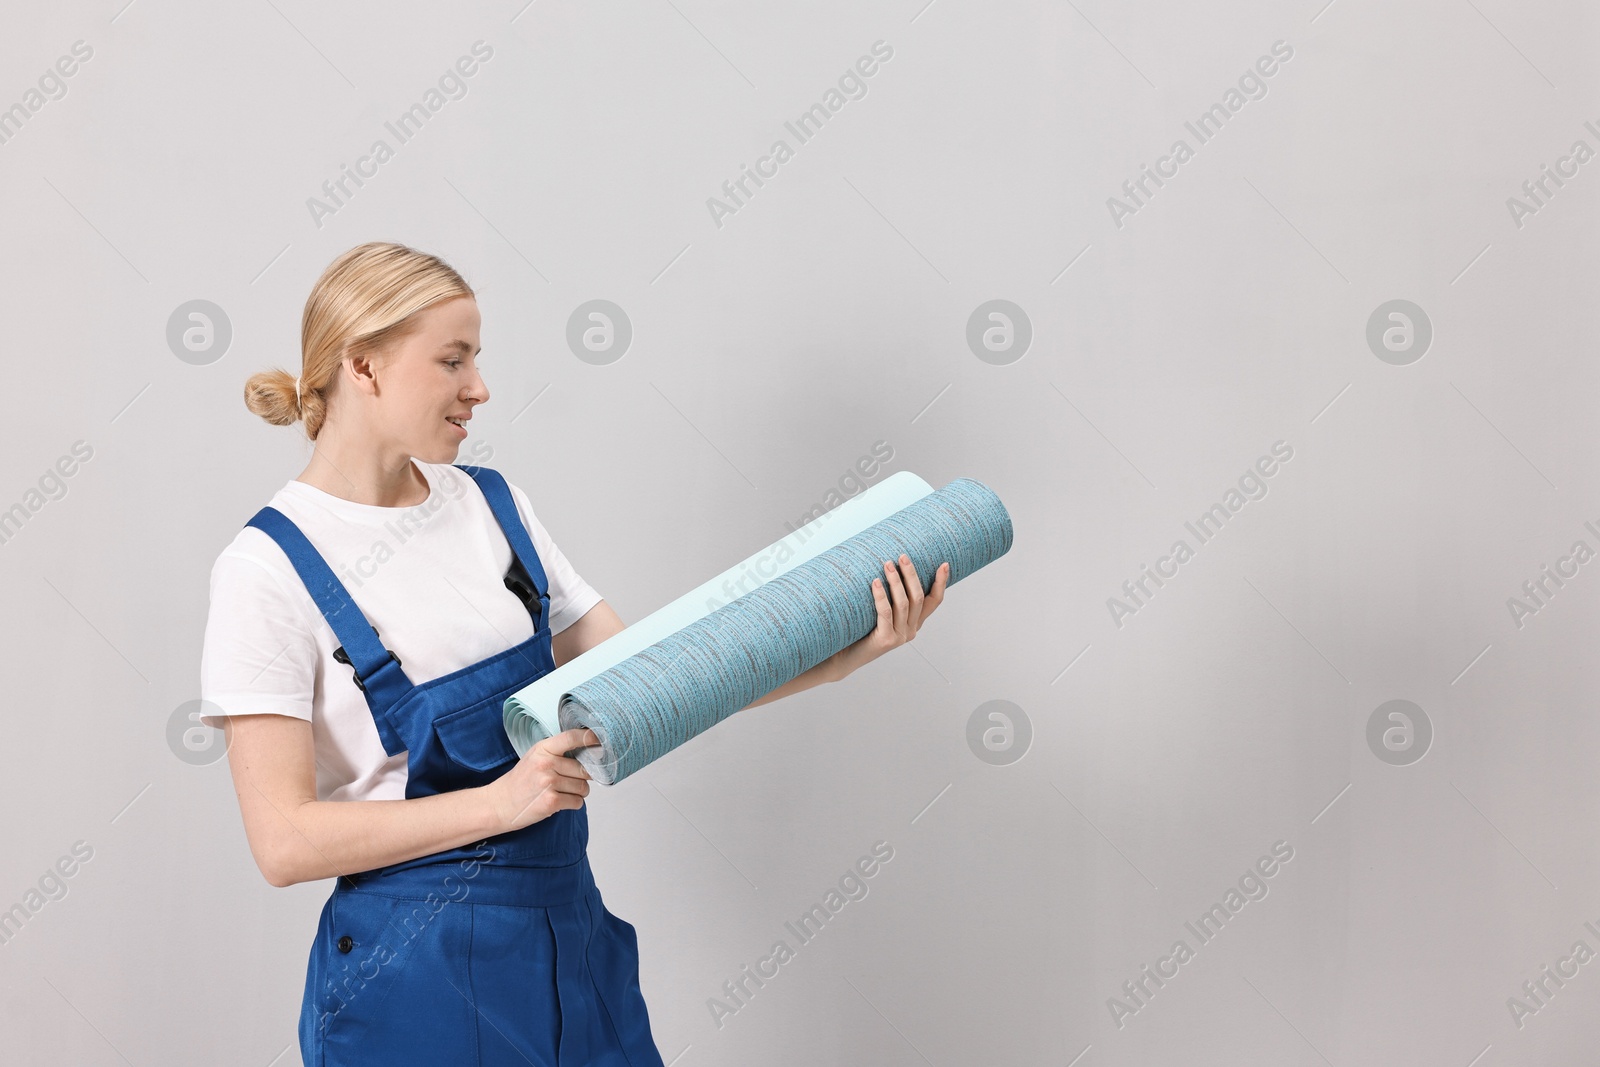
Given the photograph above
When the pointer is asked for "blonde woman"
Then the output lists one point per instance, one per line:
(365, 629)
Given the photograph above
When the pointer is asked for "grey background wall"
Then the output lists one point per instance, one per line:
(1427, 459)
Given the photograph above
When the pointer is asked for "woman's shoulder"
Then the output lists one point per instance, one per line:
(254, 564)
(253, 561)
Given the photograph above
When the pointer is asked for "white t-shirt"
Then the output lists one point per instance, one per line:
(430, 578)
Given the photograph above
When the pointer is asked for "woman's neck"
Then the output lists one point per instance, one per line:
(365, 478)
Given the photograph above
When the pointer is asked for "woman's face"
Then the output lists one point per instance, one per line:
(431, 377)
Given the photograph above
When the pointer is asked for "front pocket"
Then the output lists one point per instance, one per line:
(354, 985)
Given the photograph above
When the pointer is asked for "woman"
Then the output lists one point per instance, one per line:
(365, 630)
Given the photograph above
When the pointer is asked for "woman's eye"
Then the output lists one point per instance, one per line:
(453, 362)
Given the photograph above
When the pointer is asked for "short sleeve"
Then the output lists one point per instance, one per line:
(570, 596)
(260, 654)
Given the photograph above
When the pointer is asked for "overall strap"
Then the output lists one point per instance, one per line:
(377, 669)
(498, 494)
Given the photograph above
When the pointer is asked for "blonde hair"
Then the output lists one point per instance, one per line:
(365, 301)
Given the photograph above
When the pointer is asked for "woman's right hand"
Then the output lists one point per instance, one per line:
(543, 782)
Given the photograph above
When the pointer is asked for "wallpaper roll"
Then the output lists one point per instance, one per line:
(533, 712)
(682, 685)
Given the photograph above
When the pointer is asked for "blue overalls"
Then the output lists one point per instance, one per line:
(497, 953)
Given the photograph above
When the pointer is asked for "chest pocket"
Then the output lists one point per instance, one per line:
(475, 736)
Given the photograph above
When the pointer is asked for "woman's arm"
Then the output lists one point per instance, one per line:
(295, 837)
(597, 624)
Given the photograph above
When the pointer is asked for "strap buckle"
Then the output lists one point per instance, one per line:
(344, 657)
(520, 582)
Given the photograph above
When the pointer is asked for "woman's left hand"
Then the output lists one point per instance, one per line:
(897, 622)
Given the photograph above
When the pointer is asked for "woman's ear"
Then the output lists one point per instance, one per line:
(359, 368)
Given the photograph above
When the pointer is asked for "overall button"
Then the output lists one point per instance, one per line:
(345, 944)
